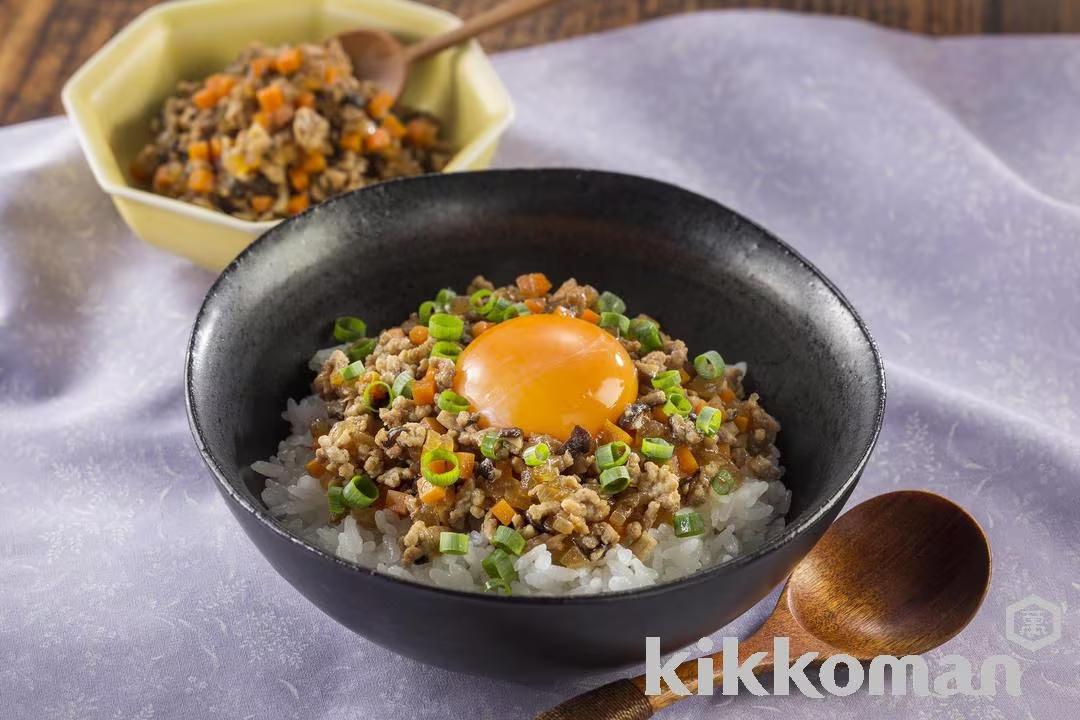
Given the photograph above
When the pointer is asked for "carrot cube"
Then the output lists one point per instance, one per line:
(504, 512)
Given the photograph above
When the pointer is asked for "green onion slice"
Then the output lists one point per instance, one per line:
(677, 404)
(614, 480)
(508, 539)
(452, 543)
(723, 482)
(688, 523)
(403, 385)
(516, 310)
(443, 326)
(360, 491)
(647, 333)
(450, 401)
(377, 392)
(500, 566)
(348, 329)
(445, 349)
(335, 500)
(482, 301)
(612, 455)
(360, 349)
(620, 322)
(440, 455)
(656, 448)
(496, 586)
(610, 302)
(498, 311)
(537, 454)
(489, 445)
(709, 365)
(709, 420)
(667, 380)
(444, 296)
(353, 370)
(427, 309)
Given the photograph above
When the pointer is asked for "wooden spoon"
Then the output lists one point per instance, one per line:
(897, 575)
(378, 56)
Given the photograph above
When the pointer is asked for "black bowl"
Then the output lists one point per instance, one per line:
(710, 277)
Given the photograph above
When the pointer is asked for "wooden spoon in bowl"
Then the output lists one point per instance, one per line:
(378, 56)
(899, 574)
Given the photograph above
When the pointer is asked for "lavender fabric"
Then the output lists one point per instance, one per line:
(936, 181)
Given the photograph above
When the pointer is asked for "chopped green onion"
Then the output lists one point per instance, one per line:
(443, 326)
(427, 309)
(500, 566)
(348, 329)
(352, 370)
(497, 585)
(615, 320)
(508, 539)
(444, 296)
(498, 311)
(452, 543)
(360, 491)
(450, 401)
(656, 448)
(688, 523)
(489, 445)
(335, 500)
(677, 404)
(709, 365)
(482, 301)
(709, 420)
(403, 385)
(610, 302)
(611, 455)
(647, 333)
(614, 480)
(376, 391)
(516, 310)
(445, 349)
(440, 455)
(537, 454)
(723, 482)
(667, 380)
(360, 349)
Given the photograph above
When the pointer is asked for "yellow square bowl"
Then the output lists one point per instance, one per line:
(112, 98)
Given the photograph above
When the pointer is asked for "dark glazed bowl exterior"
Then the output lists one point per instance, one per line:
(708, 275)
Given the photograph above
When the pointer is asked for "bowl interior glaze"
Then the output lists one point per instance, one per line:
(709, 276)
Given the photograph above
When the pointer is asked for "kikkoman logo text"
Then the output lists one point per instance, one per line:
(955, 676)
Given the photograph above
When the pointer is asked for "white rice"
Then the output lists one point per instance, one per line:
(736, 523)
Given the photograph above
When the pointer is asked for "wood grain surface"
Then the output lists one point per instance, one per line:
(43, 41)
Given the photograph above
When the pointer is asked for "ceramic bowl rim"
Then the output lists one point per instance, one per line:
(280, 233)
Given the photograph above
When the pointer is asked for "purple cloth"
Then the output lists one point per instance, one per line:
(936, 181)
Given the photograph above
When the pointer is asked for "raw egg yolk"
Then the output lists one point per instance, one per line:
(546, 374)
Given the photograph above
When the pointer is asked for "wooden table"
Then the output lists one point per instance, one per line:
(43, 41)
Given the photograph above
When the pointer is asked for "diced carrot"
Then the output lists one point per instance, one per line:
(270, 98)
(380, 104)
(418, 335)
(742, 422)
(434, 495)
(535, 305)
(423, 391)
(421, 132)
(297, 204)
(306, 99)
(351, 141)
(288, 61)
(262, 203)
(482, 422)
(314, 162)
(684, 376)
(533, 284)
(376, 140)
(393, 126)
(215, 147)
(201, 180)
(564, 311)
(205, 98)
(330, 74)
(504, 511)
(589, 316)
(198, 150)
(221, 83)
(315, 468)
(479, 327)
(431, 422)
(659, 414)
(616, 432)
(298, 179)
(727, 396)
(398, 502)
(260, 65)
(466, 463)
(688, 464)
(262, 118)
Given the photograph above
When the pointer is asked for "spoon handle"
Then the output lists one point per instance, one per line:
(472, 27)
